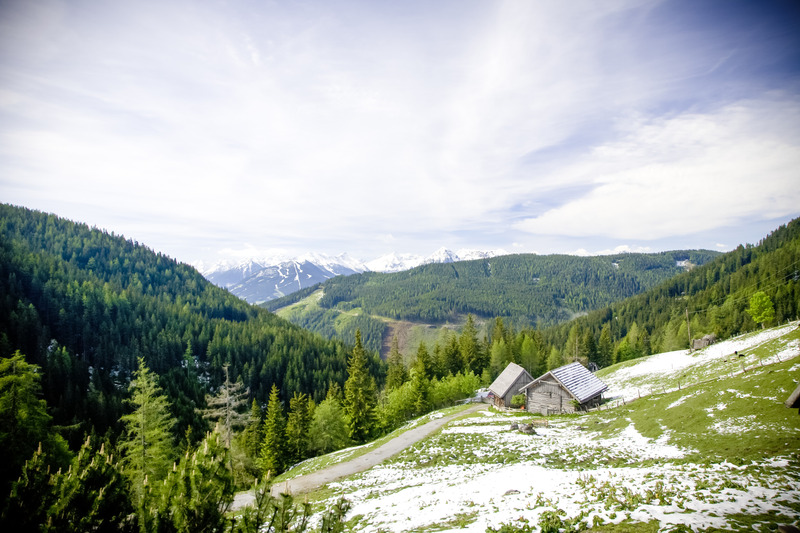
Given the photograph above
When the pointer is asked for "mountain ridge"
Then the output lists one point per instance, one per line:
(259, 280)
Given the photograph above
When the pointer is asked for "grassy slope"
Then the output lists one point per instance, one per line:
(409, 334)
(738, 454)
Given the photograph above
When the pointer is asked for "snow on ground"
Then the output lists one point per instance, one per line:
(638, 379)
(402, 496)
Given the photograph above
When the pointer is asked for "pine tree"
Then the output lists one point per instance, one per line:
(273, 454)
(253, 433)
(24, 420)
(605, 347)
(469, 347)
(198, 491)
(396, 374)
(147, 444)
(225, 407)
(359, 394)
(554, 359)
(298, 425)
(420, 387)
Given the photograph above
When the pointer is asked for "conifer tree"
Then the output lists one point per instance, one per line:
(396, 374)
(273, 455)
(147, 443)
(469, 347)
(298, 425)
(529, 357)
(420, 386)
(198, 491)
(605, 348)
(225, 407)
(359, 394)
(253, 434)
(24, 420)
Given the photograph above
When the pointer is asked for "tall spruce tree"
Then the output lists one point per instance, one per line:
(273, 447)
(396, 374)
(147, 443)
(298, 424)
(360, 397)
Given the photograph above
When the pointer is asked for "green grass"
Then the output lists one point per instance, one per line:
(739, 419)
(318, 463)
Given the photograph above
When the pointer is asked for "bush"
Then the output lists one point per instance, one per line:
(518, 400)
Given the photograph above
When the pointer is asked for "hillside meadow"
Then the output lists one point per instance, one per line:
(706, 445)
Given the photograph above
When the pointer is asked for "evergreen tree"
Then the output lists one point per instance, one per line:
(93, 495)
(500, 356)
(359, 394)
(198, 491)
(147, 443)
(589, 347)
(605, 348)
(761, 309)
(420, 383)
(24, 421)
(253, 433)
(225, 407)
(298, 425)
(396, 374)
(529, 357)
(554, 359)
(471, 356)
(452, 362)
(273, 454)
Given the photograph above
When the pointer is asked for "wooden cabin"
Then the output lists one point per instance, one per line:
(566, 389)
(509, 383)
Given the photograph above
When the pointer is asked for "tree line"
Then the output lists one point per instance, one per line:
(526, 289)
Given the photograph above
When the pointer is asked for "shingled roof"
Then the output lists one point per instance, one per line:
(506, 379)
(577, 380)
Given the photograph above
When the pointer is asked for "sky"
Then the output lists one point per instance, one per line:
(220, 129)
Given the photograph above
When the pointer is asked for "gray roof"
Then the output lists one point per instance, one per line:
(577, 380)
(506, 379)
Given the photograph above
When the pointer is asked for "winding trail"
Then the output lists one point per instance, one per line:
(309, 482)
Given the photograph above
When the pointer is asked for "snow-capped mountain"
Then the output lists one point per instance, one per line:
(261, 280)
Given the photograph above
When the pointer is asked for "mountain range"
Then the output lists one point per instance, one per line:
(261, 280)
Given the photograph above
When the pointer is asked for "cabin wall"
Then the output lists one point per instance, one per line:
(505, 401)
(548, 398)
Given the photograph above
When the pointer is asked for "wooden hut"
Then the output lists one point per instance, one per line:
(565, 389)
(509, 383)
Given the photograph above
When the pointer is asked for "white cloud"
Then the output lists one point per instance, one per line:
(685, 174)
(196, 127)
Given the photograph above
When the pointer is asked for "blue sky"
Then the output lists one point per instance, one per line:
(218, 129)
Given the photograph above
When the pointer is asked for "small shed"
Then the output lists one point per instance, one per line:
(565, 389)
(707, 340)
(508, 383)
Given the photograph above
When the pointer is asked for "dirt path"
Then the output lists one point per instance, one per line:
(309, 482)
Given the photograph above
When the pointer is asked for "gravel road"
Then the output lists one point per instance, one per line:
(322, 477)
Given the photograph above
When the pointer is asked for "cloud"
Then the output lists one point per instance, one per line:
(334, 126)
(685, 174)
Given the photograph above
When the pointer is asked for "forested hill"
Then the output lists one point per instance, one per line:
(84, 305)
(715, 297)
(528, 289)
